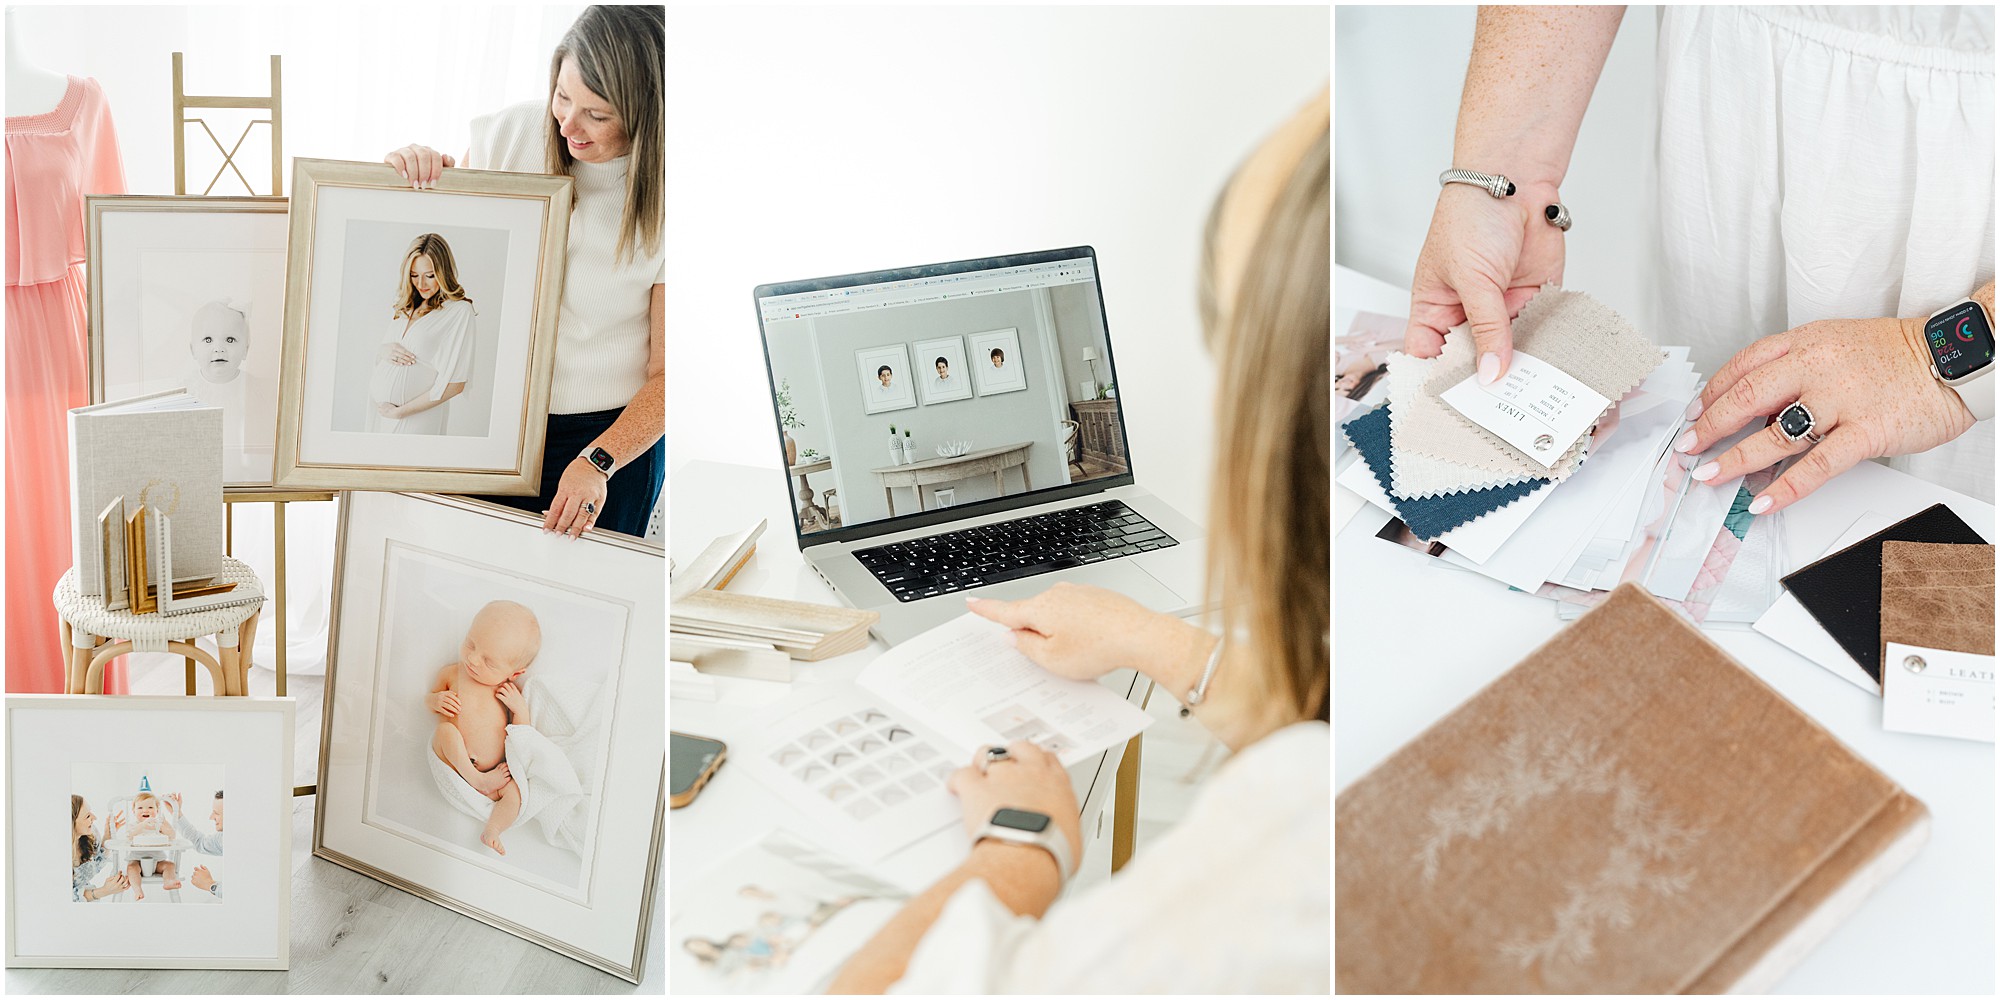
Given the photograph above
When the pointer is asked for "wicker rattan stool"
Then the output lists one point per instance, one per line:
(92, 636)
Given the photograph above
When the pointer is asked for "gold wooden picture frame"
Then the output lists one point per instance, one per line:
(174, 281)
(369, 815)
(355, 414)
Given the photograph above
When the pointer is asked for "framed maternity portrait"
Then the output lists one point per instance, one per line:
(188, 292)
(419, 329)
(493, 734)
(149, 832)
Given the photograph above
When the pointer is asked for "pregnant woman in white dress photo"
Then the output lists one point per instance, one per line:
(426, 353)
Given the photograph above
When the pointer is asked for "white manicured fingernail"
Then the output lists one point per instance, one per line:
(1686, 443)
(1489, 369)
(1693, 410)
(1760, 505)
(1707, 472)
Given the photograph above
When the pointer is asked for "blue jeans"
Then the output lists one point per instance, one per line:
(633, 490)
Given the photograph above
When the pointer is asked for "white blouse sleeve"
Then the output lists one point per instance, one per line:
(455, 346)
(1233, 899)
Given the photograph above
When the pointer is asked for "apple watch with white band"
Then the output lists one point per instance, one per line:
(1960, 339)
(599, 459)
(1019, 826)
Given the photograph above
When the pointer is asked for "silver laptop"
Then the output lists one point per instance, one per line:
(953, 430)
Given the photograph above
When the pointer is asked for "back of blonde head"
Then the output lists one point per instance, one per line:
(1269, 329)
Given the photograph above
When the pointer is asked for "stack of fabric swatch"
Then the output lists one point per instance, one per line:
(1614, 504)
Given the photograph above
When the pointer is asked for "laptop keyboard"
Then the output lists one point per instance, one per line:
(1010, 550)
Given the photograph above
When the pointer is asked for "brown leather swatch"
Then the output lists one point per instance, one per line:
(1625, 811)
(1937, 596)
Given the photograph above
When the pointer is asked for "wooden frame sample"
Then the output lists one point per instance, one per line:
(412, 576)
(351, 227)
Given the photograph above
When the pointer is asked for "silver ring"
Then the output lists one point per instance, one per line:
(590, 507)
(993, 755)
(1557, 216)
(1795, 422)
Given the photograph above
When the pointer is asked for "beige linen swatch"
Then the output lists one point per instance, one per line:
(1414, 475)
(1571, 331)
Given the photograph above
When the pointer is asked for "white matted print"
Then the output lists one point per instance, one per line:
(885, 378)
(997, 362)
(113, 797)
(419, 329)
(188, 292)
(435, 595)
(531, 676)
(941, 372)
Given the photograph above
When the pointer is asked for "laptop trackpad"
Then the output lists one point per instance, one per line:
(1117, 575)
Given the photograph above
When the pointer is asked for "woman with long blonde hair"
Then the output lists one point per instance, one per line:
(1234, 899)
(601, 122)
(87, 859)
(428, 348)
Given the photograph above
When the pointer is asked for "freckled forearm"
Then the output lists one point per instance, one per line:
(1526, 88)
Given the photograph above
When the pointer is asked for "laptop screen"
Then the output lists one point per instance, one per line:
(923, 394)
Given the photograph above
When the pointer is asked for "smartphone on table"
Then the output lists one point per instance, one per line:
(695, 760)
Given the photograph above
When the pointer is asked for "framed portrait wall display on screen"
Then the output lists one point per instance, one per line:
(494, 730)
(419, 328)
(119, 808)
(188, 292)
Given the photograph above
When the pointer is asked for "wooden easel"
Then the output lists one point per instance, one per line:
(279, 499)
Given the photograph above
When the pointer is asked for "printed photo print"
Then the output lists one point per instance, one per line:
(416, 329)
(147, 833)
(492, 715)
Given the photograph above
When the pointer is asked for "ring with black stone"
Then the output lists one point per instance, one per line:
(993, 755)
(1795, 422)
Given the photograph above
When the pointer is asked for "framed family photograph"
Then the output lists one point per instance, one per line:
(942, 377)
(419, 329)
(998, 366)
(493, 739)
(140, 794)
(884, 376)
(188, 293)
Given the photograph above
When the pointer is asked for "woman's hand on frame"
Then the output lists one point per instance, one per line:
(419, 164)
(581, 483)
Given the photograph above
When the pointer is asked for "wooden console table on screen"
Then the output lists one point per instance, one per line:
(984, 461)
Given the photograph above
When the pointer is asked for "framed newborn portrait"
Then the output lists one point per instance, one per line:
(188, 293)
(941, 374)
(493, 738)
(173, 820)
(419, 329)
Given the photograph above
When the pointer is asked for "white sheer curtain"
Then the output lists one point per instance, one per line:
(358, 81)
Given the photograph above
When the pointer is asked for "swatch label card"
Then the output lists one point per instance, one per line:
(1937, 692)
(1536, 407)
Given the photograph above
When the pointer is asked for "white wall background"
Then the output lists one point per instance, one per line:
(816, 142)
(1399, 74)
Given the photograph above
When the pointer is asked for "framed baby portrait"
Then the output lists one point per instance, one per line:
(118, 811)
(493, 737)
(419, 329)
(941, 374)
(997, 365)
(188, 293)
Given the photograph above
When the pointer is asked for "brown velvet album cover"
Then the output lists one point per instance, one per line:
(1937, 596)
(1626, 810)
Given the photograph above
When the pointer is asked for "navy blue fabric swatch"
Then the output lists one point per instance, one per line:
(1431, 516)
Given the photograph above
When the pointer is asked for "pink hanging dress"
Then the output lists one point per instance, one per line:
(53, 160)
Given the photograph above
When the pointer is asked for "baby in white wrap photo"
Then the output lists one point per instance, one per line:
(480, 702)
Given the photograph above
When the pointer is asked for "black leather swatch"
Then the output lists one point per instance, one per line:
(1843, 591)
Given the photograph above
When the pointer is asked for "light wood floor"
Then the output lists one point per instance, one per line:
(350, 933)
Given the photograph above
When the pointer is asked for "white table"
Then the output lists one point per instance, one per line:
(1414, 638)
(736, 809)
